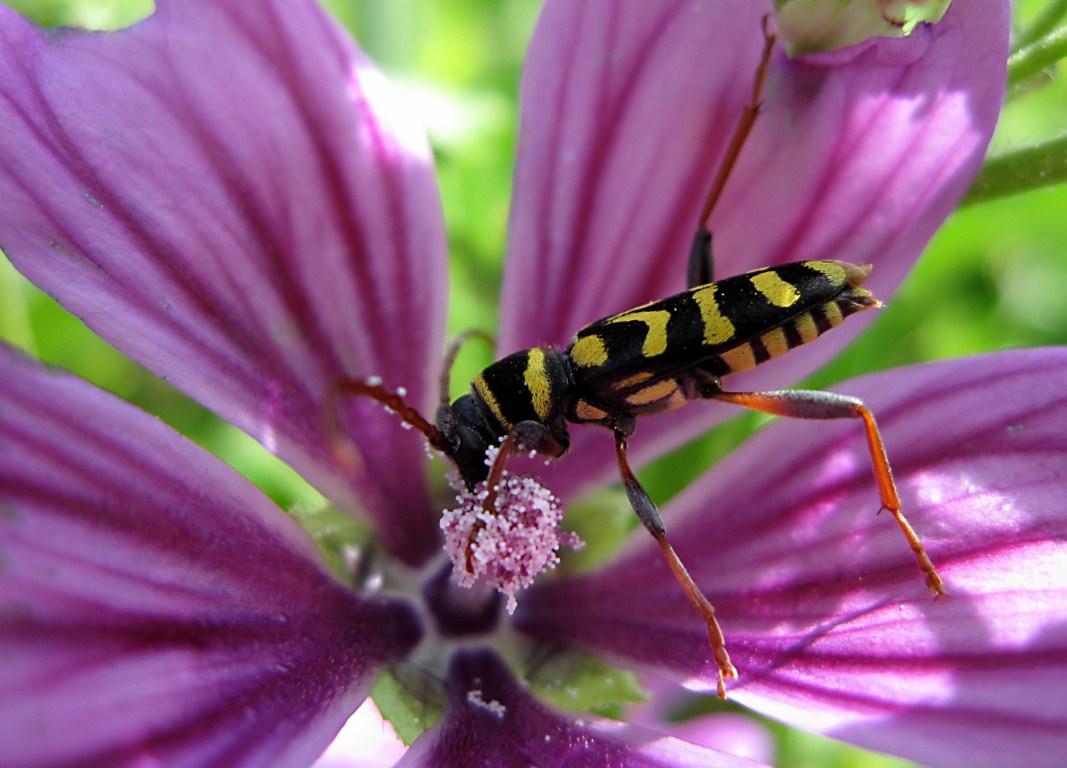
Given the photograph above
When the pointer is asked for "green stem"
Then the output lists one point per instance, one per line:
(1020, 171)
(1043, 24)
(1028, 61)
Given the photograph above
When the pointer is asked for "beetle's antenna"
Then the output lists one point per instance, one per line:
(450, 358)
(394, 401)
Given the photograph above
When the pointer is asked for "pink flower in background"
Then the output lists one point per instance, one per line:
(233, 195)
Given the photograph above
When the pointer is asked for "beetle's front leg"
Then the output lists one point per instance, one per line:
(528, 436)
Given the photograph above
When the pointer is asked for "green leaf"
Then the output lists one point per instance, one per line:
(602, 521)
(87, 14)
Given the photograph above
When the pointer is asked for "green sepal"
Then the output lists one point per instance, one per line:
(577, 681)
(409, 702)
(811, 26)
(336, 534)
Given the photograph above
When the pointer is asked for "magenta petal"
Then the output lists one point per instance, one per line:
(231, 193)
(824, 610)
(626, 110)
(155, 608)
(492, 721)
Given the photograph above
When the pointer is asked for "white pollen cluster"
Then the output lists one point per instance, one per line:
(510, 543)
(475, 698)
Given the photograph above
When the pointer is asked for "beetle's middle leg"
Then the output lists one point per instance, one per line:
(649, 516)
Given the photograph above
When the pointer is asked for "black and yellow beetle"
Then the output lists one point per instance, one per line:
(656, 358)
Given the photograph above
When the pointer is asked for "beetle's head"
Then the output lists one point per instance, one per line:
(468, 436)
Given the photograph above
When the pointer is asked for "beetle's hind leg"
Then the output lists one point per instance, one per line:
(701, 269)
(814, 404)
(701, 262)
(649, 516)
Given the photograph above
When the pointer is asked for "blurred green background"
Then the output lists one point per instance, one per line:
(995, 277)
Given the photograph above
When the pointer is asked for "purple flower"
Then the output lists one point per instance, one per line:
(232, 194)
